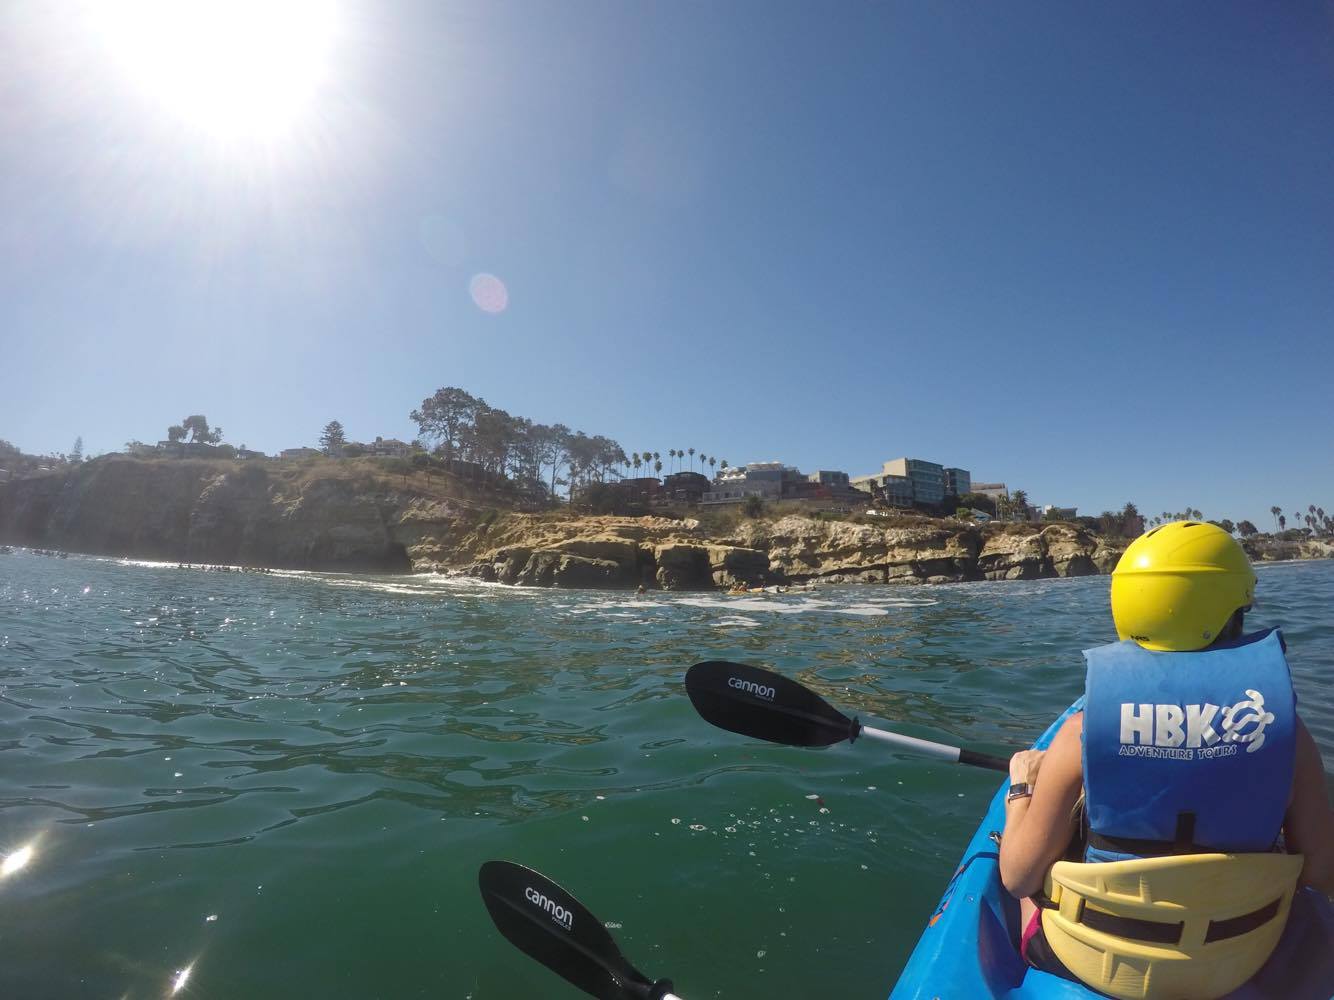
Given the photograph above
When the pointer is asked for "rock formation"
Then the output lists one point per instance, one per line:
(344, 516)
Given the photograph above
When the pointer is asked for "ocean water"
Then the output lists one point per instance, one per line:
(285, 784)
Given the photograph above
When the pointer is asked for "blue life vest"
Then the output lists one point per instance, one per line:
(1187, 752)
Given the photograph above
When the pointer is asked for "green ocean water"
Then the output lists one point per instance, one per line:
(286, 783)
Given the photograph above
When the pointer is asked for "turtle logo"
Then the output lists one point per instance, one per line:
(1248, 712)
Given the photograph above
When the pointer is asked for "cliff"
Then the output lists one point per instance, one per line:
(338, 516)
(353, 515)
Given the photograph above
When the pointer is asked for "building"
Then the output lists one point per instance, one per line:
(642, 488)
(766, 480)
(915, 482)
(290, 453)
(1052, 512)
(827, 478)
(928, 479)
(685, 487)
(389, 448)
(996, 491)
(246, 454)
(894, 491)
(958, 482)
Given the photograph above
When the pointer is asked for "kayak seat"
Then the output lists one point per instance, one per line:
(1181, 927)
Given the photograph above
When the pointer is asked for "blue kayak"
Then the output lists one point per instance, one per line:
(970, 948)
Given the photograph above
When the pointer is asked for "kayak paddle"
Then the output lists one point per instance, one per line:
(548, 924)
(768, 706)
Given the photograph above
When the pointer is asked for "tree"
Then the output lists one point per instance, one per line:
(722, 466)
(1226, 525)
(196, 425)
(443, 417)
(1282, 522)
(714, 461)
(692, 458)
(1246, 529)
(657, 464)
(978, 501)
(1132, 522)
(1019, 499)
(333, 438)
(175, 433)
(753, 506)
(1275, 511)
(76, 452)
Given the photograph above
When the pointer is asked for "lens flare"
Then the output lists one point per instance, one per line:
(489, 293)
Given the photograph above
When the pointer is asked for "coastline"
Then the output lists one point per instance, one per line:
(345, 517)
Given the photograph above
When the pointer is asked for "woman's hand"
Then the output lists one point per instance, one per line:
(1024, 766)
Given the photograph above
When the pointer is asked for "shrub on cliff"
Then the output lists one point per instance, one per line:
(252, 473)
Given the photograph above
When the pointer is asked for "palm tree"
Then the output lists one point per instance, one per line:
(1282, 522)
(723, 465)
(637, 463)
(692, 458)
(1275, 511)
(657, 464)
(714, 461)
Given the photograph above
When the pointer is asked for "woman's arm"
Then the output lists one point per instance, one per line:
(1038, 829)
(1309, 826)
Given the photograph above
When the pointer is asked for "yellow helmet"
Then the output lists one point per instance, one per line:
(1176, 587)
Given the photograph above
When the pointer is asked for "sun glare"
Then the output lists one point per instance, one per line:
(233, 69)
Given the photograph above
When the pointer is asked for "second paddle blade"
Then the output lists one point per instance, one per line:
(768, 706)
(545, 922)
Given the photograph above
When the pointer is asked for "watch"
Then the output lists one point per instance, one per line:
(1019, 790)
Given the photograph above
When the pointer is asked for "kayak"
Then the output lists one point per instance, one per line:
(970, 947)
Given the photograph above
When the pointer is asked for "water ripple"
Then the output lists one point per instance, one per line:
(297, 774)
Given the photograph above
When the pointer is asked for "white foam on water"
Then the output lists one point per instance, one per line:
(745, 604)
(736, 620)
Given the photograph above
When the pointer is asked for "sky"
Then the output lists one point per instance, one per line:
(1085, 249)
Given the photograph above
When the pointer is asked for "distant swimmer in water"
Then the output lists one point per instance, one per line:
(641, 591)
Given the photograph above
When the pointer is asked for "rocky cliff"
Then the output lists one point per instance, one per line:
(227, 513)
(353, 516)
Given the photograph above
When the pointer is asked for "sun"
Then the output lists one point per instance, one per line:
(233, 69)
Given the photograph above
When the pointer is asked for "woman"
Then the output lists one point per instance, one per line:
(1185, 717)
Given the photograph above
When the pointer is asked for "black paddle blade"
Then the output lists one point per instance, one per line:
(548, 924)
(765, 705)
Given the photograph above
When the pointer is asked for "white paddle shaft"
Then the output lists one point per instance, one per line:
(913, 745)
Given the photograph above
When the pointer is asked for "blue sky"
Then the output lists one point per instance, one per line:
(1087, 249)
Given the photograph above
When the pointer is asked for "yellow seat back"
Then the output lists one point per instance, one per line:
(1185, 927)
